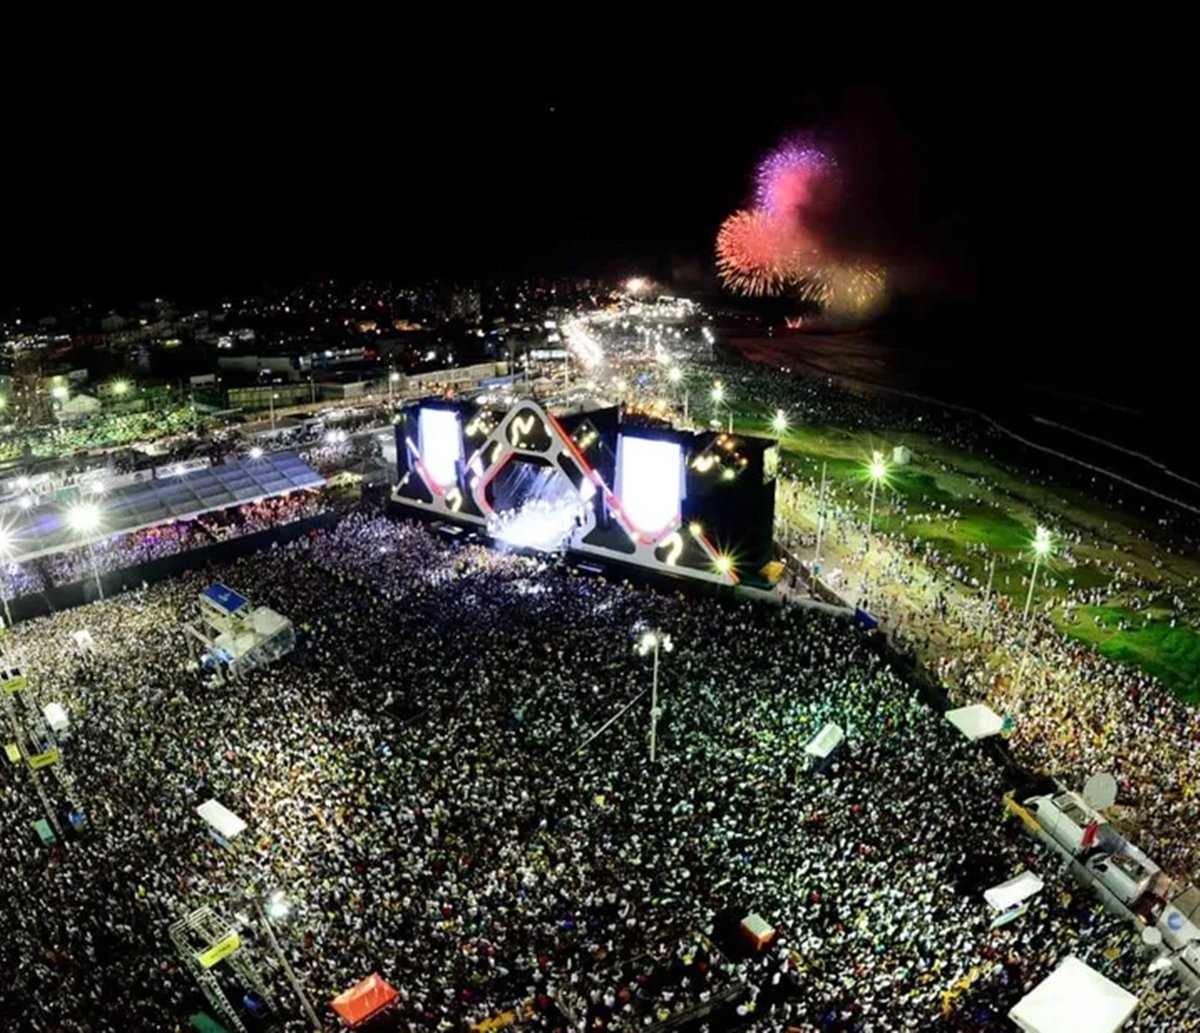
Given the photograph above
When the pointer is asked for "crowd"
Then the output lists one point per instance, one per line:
(121, 551)
(412, 777)
(1077, 711)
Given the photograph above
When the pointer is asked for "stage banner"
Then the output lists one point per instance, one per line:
(225, 946)
(43, 760)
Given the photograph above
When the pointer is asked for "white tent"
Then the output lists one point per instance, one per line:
(1009, 894)
(978, 721)
(224, 824)
(825, 741)
(1074, 998)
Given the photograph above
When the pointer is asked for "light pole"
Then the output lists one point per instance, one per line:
(1041, 547)
(271, 401)
(675, 376)
(718, 396)
(6, 553)
(878, 471)
(654, 641)
(393, 378)
(279, 906)
(816, 568)
(83, 519)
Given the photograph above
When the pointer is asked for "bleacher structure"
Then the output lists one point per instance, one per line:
(235, 636)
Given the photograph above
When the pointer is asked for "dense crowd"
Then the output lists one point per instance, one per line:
(1077, 712)
(121, 551)
(412, 778)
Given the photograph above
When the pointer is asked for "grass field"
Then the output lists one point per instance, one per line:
(992, 512)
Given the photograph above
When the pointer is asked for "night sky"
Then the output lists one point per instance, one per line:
(139, 187)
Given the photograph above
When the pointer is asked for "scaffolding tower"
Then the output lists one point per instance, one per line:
(203, 940)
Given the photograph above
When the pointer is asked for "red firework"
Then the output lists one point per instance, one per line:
(757, 253)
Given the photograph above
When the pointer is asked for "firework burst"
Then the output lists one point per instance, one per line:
(753, 253)
(787, 178)
(848, 289)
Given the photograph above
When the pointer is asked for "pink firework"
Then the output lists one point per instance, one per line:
(787, 178)
(754, 252)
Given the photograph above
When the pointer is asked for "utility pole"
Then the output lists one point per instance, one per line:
(305, 1003)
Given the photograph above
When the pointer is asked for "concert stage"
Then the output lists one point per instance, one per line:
(697, 505)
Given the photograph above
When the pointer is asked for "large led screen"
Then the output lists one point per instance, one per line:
(440, 445)
(649, 482)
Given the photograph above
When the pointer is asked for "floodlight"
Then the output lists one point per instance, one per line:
(84, 517)
(878, 467)
(1041, 541)
(278, 905)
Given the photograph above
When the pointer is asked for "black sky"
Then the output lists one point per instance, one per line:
(143, 184)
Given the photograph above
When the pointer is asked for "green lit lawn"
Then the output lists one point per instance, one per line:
(1170, 654)
(1001, 516)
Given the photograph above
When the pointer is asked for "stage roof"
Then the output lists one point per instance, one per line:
(44, 530)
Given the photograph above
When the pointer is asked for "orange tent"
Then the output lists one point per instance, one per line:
(364, 1001)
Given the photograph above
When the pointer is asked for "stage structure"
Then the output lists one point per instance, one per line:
(235, 636)
(696, 505)
(203, 940)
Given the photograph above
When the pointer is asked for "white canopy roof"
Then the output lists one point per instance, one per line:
(825, 741)
(221, 820)
(977, 721)
(1074, 998)
(1017, 889)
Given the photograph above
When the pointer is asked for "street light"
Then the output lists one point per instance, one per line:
(6, 553)
(84, 519)
(59, 392)
(718, 396)
(779, 423)
(878, 471)
(278, 907)
(120, 387)
(654, 641)
(1042, 546)
(675, 376)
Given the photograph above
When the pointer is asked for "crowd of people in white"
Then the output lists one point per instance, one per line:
(412, 779)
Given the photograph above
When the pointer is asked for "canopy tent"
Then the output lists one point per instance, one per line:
(1074, 997)
(364, 1001)
(825, 741)
(222, 822)
(1014, 891)
(978, 721)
